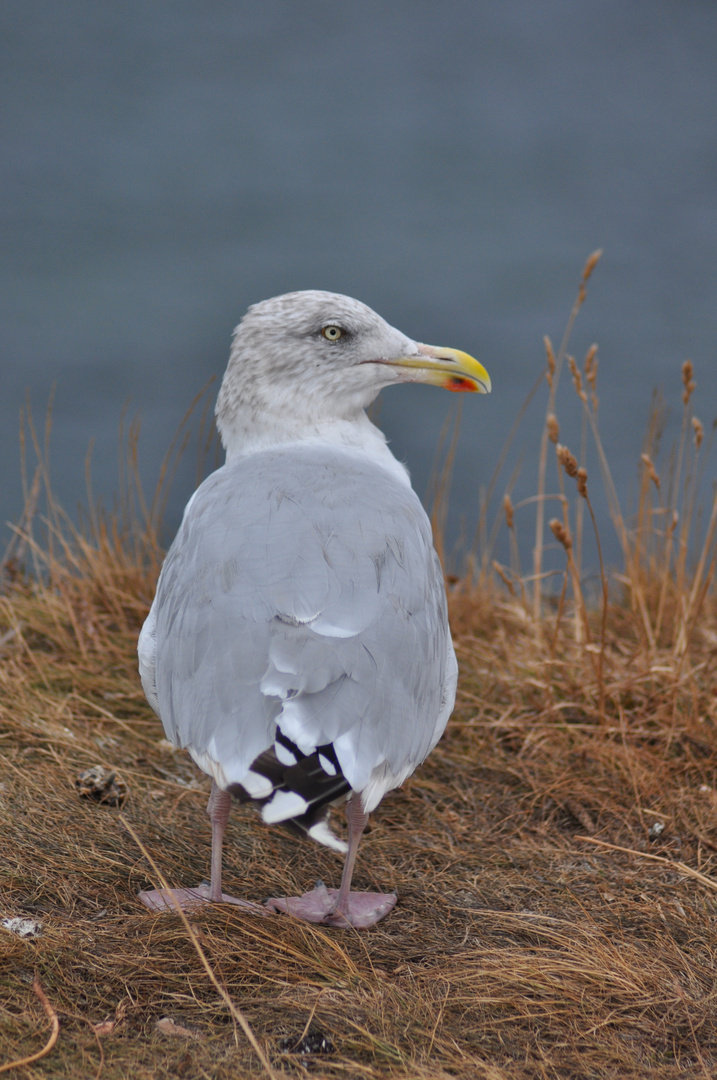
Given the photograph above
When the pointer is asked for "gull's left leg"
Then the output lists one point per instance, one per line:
(218, 808)
(341, 907)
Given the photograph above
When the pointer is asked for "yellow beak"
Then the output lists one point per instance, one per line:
(449, 368)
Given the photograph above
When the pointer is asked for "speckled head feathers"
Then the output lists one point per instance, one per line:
(312, 356)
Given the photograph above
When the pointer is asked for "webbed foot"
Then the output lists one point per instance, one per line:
(319, 906)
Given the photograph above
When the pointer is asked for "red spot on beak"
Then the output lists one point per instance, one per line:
(458, 386)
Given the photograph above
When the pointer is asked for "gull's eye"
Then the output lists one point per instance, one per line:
(332, 333)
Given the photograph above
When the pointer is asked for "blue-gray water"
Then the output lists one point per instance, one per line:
(452, 165)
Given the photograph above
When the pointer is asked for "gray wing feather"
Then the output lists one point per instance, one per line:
(303, 586)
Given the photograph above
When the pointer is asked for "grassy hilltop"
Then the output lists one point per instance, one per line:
(555, 858)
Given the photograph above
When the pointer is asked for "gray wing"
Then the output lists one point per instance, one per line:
(303, 589)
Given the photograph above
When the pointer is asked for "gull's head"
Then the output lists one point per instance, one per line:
(307, 358)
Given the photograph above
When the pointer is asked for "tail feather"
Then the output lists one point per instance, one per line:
(302, 788)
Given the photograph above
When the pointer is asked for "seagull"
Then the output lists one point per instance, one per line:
(298, 644)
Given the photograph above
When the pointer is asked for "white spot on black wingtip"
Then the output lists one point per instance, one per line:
(284, 805)
(327, 765)
(290, 747)
(284, 755)
(256, 785)
(322, 834)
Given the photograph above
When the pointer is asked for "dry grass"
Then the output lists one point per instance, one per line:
(555, 858)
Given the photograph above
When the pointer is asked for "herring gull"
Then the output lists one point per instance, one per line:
(298, 644)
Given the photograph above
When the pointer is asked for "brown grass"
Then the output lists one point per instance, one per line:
(555, 858)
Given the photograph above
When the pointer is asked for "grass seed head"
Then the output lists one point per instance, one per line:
(652, 472)
(699, 431)
(591, 263)
(687, 381)
(577, 379)
(553, 427)
(567, 460)
(508, 507)
(561, 533)
(550, 356)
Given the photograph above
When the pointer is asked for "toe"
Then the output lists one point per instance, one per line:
(364, 910)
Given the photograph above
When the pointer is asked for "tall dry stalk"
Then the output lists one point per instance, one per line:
(487, 548)
(552, 374)
(439, 482)
(689, 387)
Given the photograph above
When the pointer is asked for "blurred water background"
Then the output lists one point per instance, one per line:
(451, 164)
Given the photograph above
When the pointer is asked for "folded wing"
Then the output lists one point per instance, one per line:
(302, 592)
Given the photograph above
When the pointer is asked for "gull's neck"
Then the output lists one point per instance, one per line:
(357, 434)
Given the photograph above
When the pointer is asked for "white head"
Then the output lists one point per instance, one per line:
(306, 359)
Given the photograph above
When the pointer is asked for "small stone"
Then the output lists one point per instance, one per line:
(166, 1026)
(101, 785)
(314, 1042)
(23, 928)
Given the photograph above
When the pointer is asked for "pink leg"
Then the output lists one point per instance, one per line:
(218, 808)
(340, 907)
